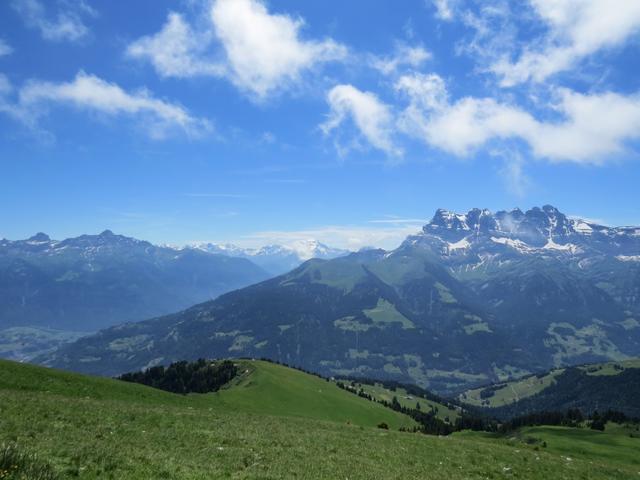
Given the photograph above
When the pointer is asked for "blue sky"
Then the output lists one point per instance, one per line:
(255, 122)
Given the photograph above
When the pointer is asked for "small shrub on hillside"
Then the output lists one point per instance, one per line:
(383, 425)
(16, 464)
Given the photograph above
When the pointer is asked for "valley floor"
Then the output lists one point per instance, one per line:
(96, 428)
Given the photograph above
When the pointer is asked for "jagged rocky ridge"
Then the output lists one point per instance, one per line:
(471, 299)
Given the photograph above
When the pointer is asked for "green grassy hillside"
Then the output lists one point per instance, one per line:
(270, 389)
(614, 446)
(95, 428)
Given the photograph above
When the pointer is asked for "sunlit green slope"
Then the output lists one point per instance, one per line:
(95, 428)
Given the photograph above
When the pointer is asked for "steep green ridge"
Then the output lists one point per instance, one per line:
(92, 428)
(611, 385)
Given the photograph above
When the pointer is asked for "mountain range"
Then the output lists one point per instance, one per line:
(472, 298)
(95, 281)
(276, 259)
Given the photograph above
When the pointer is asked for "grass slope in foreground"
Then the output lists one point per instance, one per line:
(613, 446)
(96, 428)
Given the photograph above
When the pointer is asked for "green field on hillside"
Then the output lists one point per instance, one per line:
(510, 392)
(272, 423)
(269, 389)
(611, 368)
(379, 392)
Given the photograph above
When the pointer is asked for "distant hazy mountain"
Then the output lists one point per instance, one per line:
(471, 299)
(94, 281)
(276, 259)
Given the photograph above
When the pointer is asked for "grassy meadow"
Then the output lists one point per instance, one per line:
(273, 422)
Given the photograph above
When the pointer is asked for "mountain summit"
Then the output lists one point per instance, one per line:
(538, 230)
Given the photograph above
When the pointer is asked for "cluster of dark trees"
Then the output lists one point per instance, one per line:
(294, 367)
(201, 376)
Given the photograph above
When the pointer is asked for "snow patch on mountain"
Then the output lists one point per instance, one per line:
(567, 247)
(459, 245)
(518, 245)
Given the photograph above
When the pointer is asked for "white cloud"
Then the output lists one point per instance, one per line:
(91, 93)
(372, 118)
(258, 51)
(593, 127)
(576, 29)
(176, 50)
(265, 51)
(5, 48)
(404, 56)
(67, 25)
(425, 91)
(444, 9)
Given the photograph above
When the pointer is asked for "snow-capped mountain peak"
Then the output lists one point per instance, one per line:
(542, 230)
(276, 258)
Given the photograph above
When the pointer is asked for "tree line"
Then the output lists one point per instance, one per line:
(201, 376)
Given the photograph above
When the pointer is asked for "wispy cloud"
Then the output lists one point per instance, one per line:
(5, 48)
(68, 24)
(444, 8)
(597, 221)
(408, 56)
(89, 92)
(575, 30)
